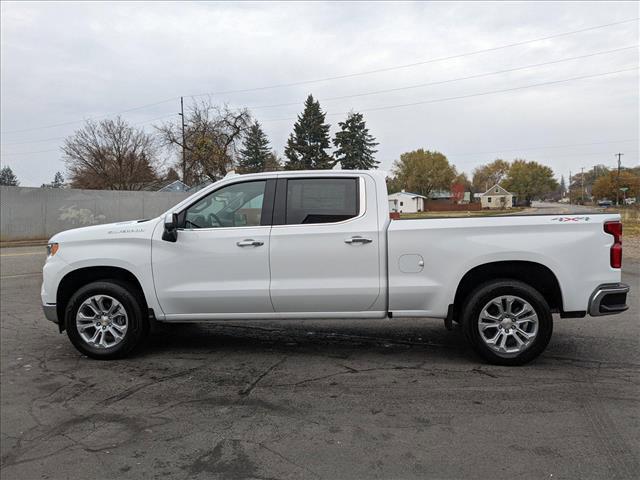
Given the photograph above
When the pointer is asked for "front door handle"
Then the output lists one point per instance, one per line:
(358, 239)
(249, 242)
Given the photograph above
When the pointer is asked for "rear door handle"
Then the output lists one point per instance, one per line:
(249, 242)
(358, 239)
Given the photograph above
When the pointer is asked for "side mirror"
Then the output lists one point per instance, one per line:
(170, 233)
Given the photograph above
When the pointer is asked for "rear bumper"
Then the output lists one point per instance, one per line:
(50, 312)
(608, 299)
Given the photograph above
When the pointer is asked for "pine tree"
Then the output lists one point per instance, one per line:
(273, 163)
(563, 187)
(7, 177)
(254, 155)
(58, 180)
(355, 144)
(307, 146)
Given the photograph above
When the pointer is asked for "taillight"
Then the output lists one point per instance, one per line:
(615, 229)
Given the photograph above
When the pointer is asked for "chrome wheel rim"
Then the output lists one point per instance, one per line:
(508, 325)
(102, 321)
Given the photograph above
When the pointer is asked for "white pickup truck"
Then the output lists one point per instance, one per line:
(320, 244)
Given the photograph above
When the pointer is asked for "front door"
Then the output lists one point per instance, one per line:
(324, 245)
(220, 261)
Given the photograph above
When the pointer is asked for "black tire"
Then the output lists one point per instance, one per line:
(486, 292)
(134, 306)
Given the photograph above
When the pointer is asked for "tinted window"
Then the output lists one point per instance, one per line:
(237, 205)
(321, 200)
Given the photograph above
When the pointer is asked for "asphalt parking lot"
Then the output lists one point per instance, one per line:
(287, 400)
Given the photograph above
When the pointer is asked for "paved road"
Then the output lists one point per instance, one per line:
(403, 399)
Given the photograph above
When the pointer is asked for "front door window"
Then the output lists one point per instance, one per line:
(237, 205)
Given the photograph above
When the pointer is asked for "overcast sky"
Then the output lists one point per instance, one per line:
(63, 62)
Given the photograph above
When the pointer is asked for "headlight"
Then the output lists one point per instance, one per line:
(52, 248)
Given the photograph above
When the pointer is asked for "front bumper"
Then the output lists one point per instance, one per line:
(608, 299)
(50, 312)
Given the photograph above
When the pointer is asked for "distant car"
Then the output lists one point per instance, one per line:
(630, 201)
(605, 203)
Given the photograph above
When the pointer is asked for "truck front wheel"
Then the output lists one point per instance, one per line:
(507, 322)
(104, 320)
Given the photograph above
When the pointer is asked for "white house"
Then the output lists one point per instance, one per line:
(406, 202)
(175, 186)
(496, 197)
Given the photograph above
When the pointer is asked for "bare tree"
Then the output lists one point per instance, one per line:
(111, 155)
(213, 137)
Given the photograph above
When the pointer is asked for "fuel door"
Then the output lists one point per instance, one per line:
(411, 263)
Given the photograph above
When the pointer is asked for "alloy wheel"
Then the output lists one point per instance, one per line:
(508, 325)
(102, 321)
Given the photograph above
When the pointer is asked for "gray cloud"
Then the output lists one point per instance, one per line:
(67, 61)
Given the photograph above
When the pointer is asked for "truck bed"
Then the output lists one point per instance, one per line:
(428, 257)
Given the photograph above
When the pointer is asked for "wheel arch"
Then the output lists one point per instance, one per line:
(75, 279)
(534, 274)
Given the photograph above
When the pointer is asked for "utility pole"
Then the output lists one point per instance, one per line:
(582, 181)
(569, 187)
(618, 179)
(184, 157)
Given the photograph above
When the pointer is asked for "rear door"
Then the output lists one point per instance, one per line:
(324, 251)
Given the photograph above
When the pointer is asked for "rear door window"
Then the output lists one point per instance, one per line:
(321, 200)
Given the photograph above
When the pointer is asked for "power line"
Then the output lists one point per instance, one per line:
(619, 155)
(441, 82)
(30, 153)
(581, 77)
(184, 143)
(162, 117)
(338, 77)
(437, 100)
(44, 140)
(564, 155)
(459, 97)
(511, 149)
(415, 64)
(53, 125)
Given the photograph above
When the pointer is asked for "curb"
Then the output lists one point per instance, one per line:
(24, 243)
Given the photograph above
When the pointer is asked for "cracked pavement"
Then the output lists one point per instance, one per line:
(319, 399)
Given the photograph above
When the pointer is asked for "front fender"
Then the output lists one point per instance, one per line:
(130, 254)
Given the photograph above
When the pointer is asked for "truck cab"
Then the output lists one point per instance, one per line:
(276, 245)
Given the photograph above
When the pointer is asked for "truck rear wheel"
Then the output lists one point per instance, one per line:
(507, 322)
(105, 320)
